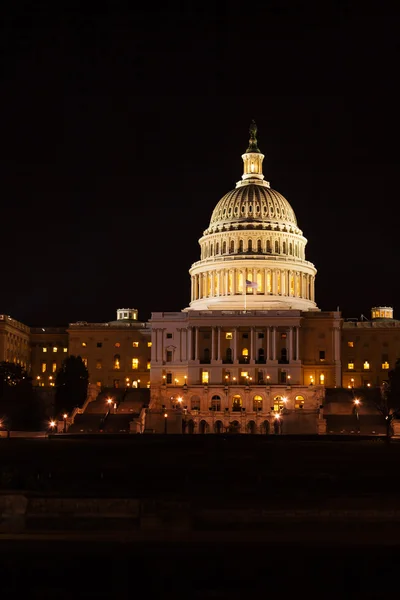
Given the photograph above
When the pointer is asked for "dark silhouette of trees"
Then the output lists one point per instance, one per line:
(72, 382)
(388, 402)
(20, 408)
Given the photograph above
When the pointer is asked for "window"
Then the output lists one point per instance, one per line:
(385, 365)
(98, 383)
(236, 403)
(350, 344)
(257, 403)
(283, 336)
(350, 366)
(169, 355)
(299, 402)
(245, 336)
(148, 365)
(279, 403)
(322, 379)
(65, 349)
(117, 345)
(169, 335)
(44, 349)
(117, 361)
(98, 364)
(322, 355)
(228, 335)
(135, 363)
(244, 374)
(245, 352)
(149, 344)
(99, 344)
(135, 344)
(84, 360)
(54, 367)
(260, 336)
(366, 365)
(169, 377)
(204, 377)
(55, 349)
(44, 367)
(216, 403)
(84, 344)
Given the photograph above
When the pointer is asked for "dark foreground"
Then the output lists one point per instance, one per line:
(201, 516)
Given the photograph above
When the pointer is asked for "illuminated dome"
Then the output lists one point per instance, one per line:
(253, 250)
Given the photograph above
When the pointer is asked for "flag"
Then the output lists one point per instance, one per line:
(252, 284)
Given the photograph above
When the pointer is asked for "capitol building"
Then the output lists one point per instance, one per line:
(251, 353)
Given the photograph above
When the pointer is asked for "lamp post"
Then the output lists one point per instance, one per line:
(65, 422)
(165, 422)
(109, 402)
(52, 425)
(355, 410)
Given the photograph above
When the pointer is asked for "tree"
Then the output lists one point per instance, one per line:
(19, 406)
(72, 382)
(388, 402)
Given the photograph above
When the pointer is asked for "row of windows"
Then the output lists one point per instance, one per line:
(280, 403)
(117, 363)
(243, 378)
(366, 366)
(226, 248)
(53, 367)
(54, 349)
(117, 344)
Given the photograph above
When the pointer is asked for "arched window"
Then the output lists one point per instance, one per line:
(258, 245)
(299, 402)
(232, 247)
(117, 362)
(219, 427)
(241, 246)
(251, 427)
(245, 355)
(216, 403)
(257, 403)
(269, 249)
(290, 248)
(236, 403)
(224, 248)
(250, 246)
(279, 403)
(276, 247)
(217, 248)
(284, 247)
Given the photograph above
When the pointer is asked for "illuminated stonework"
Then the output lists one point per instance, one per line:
(253, 235)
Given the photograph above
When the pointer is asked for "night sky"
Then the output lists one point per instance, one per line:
(121, 130)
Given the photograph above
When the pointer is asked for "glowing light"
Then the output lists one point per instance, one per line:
(165, 415)
(179, 399)
(277, 416)
(109, 400)
(52, 423)
(65, 415)
(356, 401)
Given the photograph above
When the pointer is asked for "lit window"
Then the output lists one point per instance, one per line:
(244, 374)
(278, 403)
(385, 365)
(228, 335)
(84, 344)
(148, 365)
(322, 379)
(204, 377)
(299, 402)
(98, 383)
(65, 349)
(283, 336)
(257, 403)
(116, 361)
(350, 344)
(44, 349)
(350, 366)
(245, 352)
(366, 365)
(135, 363)
(135, 344)
(117, 345)
(44, 367)
(84, 360)
(51, 383)
(55, 349)
(149, 344)
(98, 364)
(54, 367)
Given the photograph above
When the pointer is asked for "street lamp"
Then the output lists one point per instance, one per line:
(65, 422)
(52, 425)
(165, 422)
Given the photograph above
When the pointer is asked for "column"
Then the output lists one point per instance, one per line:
(297, 342)
(196, 343)
(180, 345)
(226, 282)
(290, 344)
(268, 330)
(212, 343)
(190, 343)
(274, 343)
(274, 283)
(154, 346)
(234, 344)
(252, 357)
(219, 343)
(212, 275)
(254, 290)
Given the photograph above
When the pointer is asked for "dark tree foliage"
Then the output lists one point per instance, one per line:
(20, 408)
(388, 402)
(71, 385)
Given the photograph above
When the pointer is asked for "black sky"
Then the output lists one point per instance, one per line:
(121, 130)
